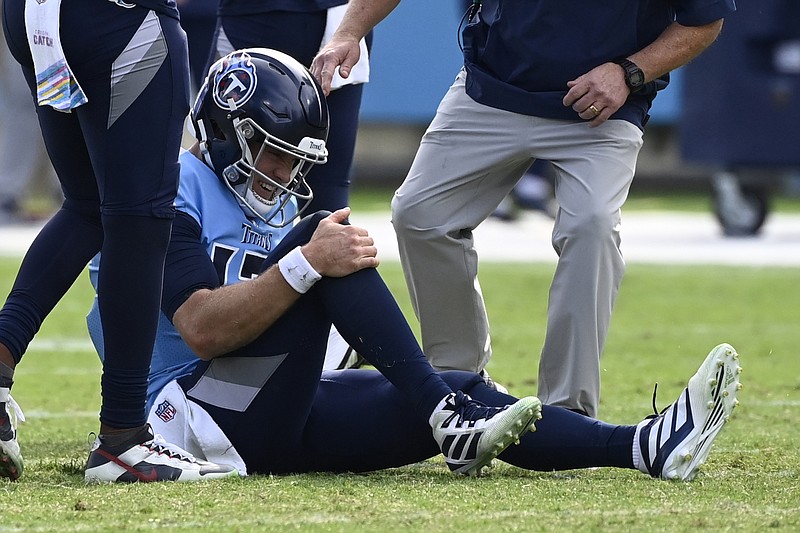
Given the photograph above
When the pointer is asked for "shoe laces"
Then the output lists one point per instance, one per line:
(656, 412)
(14, 411)
(468, 409)
(160, 445)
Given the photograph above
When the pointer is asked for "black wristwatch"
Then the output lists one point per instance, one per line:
(634, 77)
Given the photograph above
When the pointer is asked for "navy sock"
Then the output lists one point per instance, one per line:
(123, 440)
(563, 440)
(6, 381)
(6, 376)
(366, 314)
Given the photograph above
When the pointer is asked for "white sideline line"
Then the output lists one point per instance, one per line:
(661, 237)
(60, 344)
(48, 415)
(647, 237)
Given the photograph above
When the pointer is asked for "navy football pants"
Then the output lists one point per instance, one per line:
(282, 417)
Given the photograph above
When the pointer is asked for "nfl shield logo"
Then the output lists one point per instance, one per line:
(165, 411)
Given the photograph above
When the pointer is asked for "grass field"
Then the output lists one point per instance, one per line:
(666, 320)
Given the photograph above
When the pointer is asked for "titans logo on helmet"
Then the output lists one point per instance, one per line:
(235, 81)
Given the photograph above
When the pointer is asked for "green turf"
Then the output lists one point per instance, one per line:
(667, 318)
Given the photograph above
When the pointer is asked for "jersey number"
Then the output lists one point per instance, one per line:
(222, 256)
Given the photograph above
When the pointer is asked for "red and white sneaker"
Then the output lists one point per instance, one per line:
(151, 460)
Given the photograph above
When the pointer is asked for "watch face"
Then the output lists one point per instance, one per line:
(636, 77)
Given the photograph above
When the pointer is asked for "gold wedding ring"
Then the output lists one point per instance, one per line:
(594, 110)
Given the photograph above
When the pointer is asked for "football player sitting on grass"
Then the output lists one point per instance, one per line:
(249, 298)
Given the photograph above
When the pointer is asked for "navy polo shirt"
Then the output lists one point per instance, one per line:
(519, 54)
(248, 7)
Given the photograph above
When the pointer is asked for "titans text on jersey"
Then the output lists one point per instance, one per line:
(251, 237)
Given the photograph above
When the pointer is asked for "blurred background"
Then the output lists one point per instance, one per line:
(727, 127)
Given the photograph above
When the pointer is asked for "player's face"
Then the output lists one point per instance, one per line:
(276, 165)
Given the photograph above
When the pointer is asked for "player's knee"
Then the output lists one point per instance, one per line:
(85, 210)
(310, 222)
(461, 380)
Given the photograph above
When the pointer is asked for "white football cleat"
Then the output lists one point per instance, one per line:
(675, 443)
(471, 434)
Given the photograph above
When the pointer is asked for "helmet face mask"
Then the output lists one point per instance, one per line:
(256, 102)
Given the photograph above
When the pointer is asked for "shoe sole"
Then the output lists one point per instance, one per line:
(716, 384)
(517, 419)
(99, 479)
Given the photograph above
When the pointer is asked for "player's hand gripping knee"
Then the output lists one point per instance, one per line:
(337, 249)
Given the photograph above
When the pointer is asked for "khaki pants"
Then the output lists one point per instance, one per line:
(469, 159)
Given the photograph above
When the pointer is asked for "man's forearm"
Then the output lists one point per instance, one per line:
(675, 47)
(363, 15)
(213, 323)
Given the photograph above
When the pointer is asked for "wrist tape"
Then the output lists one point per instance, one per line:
(297, 271)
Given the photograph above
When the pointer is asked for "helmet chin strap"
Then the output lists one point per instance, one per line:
(257, 205)
(202, 141)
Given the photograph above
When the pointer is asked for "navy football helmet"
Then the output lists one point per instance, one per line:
(255, 100)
